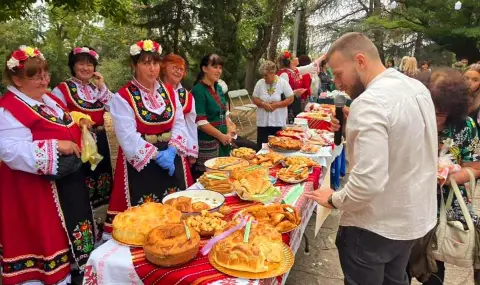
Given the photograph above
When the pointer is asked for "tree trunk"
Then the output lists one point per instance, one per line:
(418, 46)
(250, 71)
(302, 33)
(277, 30)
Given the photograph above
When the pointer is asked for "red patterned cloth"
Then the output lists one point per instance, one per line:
(199, 271)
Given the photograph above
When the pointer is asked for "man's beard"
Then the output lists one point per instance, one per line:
(357, 88)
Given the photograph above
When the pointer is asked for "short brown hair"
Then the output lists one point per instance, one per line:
(449, 92)
(351, 44)
(31, 67)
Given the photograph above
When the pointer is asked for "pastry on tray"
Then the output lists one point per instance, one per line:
(293, 173)
(285, 143)
(268, 159)
(216, 181)
(249, 186)
(207, 223)
(283, 217)
(300, 160)
(185, 204)
(310, 148)
(132, 226)
(171, 245)
(225, 163)
(244, 152)
(264, 247)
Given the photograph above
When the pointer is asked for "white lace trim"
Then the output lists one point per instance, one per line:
(46, 157)
(143, 157)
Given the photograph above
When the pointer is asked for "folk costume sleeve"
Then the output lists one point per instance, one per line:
(179, 129)
(201, 109)
(137, 151)
(19, 151)
(57, 93)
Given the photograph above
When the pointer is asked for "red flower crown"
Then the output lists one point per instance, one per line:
(21, 54)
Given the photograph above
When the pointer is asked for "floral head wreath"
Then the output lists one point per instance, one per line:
(287, 54)
(22, 54)
(145, 45)
(91, 52)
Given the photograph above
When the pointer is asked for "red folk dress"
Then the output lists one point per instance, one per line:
(43, 223)
(138, 179)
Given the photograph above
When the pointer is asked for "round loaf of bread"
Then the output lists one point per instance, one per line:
(169, 246)
(132, 226)
(264, 246)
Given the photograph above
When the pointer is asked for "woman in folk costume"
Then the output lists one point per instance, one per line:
(45, 215)
(287, 64)
(86, 92)
(172, 71)
(215, 129)
(150, 128)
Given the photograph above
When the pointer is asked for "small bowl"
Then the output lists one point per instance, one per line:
(214, 199)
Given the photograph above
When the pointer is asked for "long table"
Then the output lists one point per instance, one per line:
(113, 263)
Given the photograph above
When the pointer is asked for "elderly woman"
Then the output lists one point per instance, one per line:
(86, 92)
(290, 72)
(172, 71)
(150, 129)
(450, 96)
(215, 129)
(46, 220)
(272, 95)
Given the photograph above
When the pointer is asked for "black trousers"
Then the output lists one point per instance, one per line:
(370, 259)
(263, 133)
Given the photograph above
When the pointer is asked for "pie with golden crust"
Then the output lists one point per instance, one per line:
(264, 246)
(132, 226)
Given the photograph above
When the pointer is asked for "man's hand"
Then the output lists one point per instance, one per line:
(335, 124)
(321, 196)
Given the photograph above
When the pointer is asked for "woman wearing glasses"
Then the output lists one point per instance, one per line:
(172, 71)
(272, 108)
(86, 92)
(150, 128)
(45, 215)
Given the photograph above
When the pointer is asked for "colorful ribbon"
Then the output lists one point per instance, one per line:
(206, 249)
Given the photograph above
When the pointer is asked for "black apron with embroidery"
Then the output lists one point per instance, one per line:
(153, 183)
(99, 182)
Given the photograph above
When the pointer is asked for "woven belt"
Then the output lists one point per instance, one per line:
(153, 139)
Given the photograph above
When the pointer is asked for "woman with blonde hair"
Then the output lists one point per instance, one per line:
(402, 63)
(472, 75)
(411, 67)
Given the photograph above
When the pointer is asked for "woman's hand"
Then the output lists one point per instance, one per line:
(267, 107)
(85, 122)
(299, 91)
(225, 139)
(98, 80)
(68, 148)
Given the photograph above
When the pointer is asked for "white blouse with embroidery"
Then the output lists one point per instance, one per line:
(18, 150)
(191, 127)
(138, 151)
(87, 92)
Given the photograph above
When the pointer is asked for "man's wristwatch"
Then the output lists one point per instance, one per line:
(330, 202)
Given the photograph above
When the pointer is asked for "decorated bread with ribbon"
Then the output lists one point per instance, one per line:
(252, 248)
(283, 218)
(171, 245)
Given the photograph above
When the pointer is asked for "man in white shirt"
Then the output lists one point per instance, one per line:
(390, 198)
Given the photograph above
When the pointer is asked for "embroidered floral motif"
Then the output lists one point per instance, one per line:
(90, 276)
(43, 264)
(144, 114)
(66, 121)
(83, 234)
(143, 157)
(100, 189)
(82, 104)
(182, 96)
(170, 190)
(148, 198)
(45, 160)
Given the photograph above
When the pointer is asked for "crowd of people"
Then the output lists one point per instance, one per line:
(398, 121)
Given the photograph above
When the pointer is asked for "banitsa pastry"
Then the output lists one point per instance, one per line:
(264, 246)
(132, 226)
